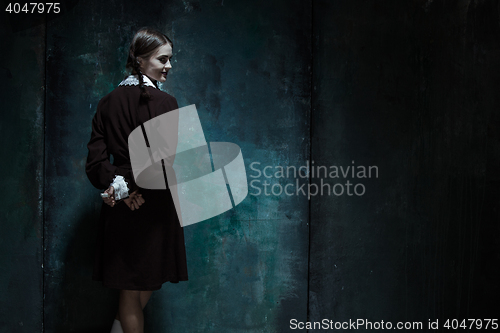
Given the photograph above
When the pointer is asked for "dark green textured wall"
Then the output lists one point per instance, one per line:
(412, 87)
(21, 153)
(407, 86)
(246, 69)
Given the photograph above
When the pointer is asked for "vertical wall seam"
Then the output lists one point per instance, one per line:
(43, 168)
(311, 76)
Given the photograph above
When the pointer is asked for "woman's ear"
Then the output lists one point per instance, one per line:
(140, 60)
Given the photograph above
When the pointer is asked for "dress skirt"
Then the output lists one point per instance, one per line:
(140, 249)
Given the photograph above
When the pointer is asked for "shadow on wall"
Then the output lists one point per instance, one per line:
(81, 304)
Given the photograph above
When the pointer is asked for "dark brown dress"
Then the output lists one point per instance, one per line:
(144, 248)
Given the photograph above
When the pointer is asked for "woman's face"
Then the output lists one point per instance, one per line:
(157, 66)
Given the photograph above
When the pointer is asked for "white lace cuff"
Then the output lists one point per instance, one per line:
(120, 186)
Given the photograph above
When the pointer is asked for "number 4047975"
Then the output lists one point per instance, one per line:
(33, 7)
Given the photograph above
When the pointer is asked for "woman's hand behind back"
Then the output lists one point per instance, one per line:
(134, 200)
(110, 199)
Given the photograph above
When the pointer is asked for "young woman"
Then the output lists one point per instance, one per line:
(140, 244)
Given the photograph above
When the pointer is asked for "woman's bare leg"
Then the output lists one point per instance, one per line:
(145, 295)
(130, 311)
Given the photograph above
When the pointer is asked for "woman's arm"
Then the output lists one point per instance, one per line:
(101, 172)
(99, 169)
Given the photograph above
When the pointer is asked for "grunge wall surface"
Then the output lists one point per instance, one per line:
(21, 208)
(411, 87)
(407, 86)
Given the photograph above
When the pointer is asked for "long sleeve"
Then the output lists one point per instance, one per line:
(99, 169)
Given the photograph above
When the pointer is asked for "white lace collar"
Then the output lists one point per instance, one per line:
(133, 80)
